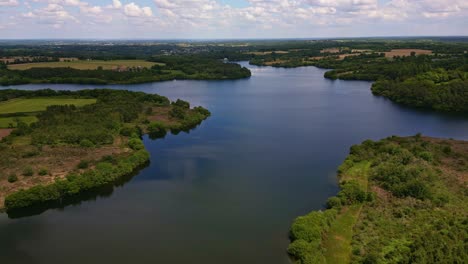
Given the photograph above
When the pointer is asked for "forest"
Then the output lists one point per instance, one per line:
(70, 149)
(402, 200)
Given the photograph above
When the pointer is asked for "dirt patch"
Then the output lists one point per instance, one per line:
(406, 52)
(381, 193)
(331, 50)
(342, 56)
(4, 132)
(161, 114)
(270, 63)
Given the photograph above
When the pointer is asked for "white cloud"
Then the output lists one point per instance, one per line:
(9, 2)
(133, 10)
(274, 18)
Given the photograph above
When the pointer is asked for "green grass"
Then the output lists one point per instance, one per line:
(39, 104)
(6, 121)
(85, 65)
(340, 235)
(358, 172)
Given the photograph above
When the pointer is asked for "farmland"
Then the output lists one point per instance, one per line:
(85, 64)
(24, 109)
(24, 105)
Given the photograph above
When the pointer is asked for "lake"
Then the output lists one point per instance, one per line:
(227, 191)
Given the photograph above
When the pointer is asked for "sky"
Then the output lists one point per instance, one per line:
(230, 19)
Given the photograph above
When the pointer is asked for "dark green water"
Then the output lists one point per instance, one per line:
(227, 191)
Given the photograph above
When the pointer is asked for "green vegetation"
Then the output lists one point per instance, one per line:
(24, 110)
(12, 122)
(72, 149)
(28, 171)
(12, 178)
(84, 64)
(164, 68)
(402, 200)
(23, 105)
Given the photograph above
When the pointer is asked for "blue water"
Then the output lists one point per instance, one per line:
(227, 191)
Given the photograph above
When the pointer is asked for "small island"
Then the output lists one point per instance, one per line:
(57, 144)
(402, 200)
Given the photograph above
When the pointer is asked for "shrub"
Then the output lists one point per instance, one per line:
(426, 155)
(84, 164)
(177, 112)
(156, 130)
(30, 154)
(352, 193)
(28, 171)
(182, 104)
(333, 202)
(447, 150)
(86, 143)
(135, 144)
(12, 178)
(129, 131)
(43, 172)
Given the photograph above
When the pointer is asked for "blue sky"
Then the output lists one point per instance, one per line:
(169, 19)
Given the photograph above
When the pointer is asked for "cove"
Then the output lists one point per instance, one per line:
(227, 191)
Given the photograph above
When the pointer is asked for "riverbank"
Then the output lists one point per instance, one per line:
(394, 192)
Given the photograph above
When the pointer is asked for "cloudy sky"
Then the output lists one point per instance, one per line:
(188, 19)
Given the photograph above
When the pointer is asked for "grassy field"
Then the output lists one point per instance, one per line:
(339, 237)
(39, 104)
(84, 65)
(6, 121)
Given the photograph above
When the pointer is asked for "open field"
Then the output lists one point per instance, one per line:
(406, 52)
(84, 65)
(39, 104)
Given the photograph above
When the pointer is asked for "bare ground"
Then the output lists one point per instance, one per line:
(4, 132)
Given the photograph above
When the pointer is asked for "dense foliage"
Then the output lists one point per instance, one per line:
(410, 205)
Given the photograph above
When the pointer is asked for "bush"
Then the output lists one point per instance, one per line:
(181, 103)
(333, 202)
(86, 143)
(352, 193)
(426, 155)
(136, 144)
(177, 112)
(28, 171)
(84, 164)
(12, 178)
(157, 130)
(128, 131)
(43, 172)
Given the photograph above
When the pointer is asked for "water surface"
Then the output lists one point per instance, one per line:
(227, 191)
